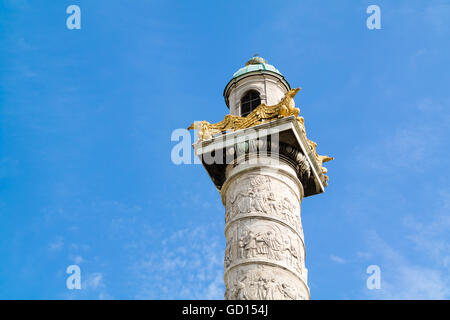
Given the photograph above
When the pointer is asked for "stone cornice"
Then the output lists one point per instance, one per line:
(278, 138)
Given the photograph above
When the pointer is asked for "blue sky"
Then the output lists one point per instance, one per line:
(86, 118)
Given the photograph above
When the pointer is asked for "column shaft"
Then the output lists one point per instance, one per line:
(265, 251)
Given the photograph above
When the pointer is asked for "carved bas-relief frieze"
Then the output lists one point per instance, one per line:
(263, 196)
(263, 231)
(262, 282)
(265, 252)
(259, 241)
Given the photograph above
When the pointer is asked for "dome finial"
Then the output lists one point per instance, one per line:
(256, 59)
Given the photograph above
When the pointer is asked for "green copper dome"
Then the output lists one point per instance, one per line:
(254, 67)
(254, 64)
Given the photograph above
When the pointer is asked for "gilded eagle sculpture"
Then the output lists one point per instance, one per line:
(262, 113)
(286, 107)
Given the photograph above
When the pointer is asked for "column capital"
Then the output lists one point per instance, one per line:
(278, 139)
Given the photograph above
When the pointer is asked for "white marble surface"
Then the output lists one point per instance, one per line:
(265, 252)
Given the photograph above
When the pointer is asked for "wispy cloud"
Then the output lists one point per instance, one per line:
(337, 259)
(78, 259)
(405, 277)
(431, 237)
(93, 286)
(57, 244)
(189, 266)
(93, 281)
(437, 14)
(413, 146)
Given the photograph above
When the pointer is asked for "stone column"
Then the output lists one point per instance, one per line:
(265, 251)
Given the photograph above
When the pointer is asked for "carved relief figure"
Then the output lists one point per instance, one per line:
(286, 210)
(260, 295)
(262, 247)
(272, 202)
(255, 201)
(228, 254)
(288, 292)
(290, 252)
(250, 245)
(269, 244)
(270, 287)
(262, 285)
(241, 247)
(275, 245)
(241, 294)
(260, 198)
(242, 202)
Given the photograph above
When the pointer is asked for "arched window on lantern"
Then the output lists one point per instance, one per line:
(249, 102)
